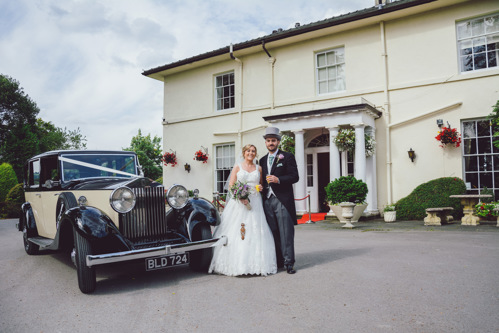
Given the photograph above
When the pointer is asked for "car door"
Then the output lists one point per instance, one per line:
(34, 193)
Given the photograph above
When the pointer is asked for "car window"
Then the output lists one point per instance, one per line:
(98, 165)
(34, 174)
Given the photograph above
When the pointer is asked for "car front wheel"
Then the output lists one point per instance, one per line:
(200, 259)
(86, 275)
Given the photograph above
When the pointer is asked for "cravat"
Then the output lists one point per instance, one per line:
(271, 157)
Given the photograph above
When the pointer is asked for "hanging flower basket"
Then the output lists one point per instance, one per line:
(345, 141)
(449, 136)
(170, 159)
(370, 145)
(201, 155)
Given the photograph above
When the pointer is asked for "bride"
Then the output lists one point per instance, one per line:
(250, 248)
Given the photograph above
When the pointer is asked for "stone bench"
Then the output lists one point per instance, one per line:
(497, 210)
(438, 215)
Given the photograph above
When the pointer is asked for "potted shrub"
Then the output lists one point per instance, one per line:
(389, 213)
(347, 189)
(486, 210)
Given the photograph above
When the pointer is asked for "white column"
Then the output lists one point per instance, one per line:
(334, 154)
(360, 152)
(372, 199)
(300, 186)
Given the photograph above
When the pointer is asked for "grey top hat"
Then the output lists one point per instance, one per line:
(272, 132)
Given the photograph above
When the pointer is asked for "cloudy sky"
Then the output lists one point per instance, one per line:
(81, 60)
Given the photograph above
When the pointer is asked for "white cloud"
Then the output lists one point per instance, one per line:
(81, 61)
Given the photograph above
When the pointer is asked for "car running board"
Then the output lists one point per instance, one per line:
(41, 241)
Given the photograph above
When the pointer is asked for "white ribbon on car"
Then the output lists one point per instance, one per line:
(94, 166)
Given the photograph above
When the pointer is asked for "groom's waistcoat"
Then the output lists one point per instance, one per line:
(284, 167)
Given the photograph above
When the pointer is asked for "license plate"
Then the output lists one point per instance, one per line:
(167, 261)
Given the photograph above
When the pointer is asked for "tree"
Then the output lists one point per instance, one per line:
(22, 135)
(148, 151)
(17, 120)
(16, 108)
(54, 138)
(494, 119)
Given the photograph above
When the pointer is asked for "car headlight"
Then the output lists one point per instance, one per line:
(177, 196)
(122, 200)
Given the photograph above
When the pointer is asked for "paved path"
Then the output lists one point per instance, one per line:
(376, 278)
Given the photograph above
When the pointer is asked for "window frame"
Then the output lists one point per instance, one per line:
(231, 98)
(469, 35)
(337, 64)
(226, 167)
(481, 159)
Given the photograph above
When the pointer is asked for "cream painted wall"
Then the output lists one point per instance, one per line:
(423, 77)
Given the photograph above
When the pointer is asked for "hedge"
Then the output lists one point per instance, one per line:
(8, 180)
(434, 193)
(13, 201)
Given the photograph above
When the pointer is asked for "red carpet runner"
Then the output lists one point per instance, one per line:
(315, 217)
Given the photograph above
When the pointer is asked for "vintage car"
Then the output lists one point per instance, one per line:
(98, 207)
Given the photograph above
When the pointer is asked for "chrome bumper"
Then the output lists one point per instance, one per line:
(108, 258)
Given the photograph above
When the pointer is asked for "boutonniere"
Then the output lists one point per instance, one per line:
(279, 157)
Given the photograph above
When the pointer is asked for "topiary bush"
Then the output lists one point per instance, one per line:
(434, 193)
(346, 189)
(8, 180)
(14, 200)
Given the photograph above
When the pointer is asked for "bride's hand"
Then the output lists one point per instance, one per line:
(259, 188)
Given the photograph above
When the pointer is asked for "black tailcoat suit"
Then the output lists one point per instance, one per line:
(281, 224)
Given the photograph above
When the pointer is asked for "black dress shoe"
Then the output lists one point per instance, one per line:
(290, 269)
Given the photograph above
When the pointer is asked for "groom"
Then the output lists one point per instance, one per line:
(280, 173)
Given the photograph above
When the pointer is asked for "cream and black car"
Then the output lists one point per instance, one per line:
(98, 207)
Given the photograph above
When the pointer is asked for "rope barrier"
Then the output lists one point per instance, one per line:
(303, 198)
(213, 202)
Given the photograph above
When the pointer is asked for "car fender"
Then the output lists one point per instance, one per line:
(90, 222)
(202, 211)
(27, 218)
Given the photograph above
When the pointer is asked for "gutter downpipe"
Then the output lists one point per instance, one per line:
(387, 116)
(271, 62)
(239, 132)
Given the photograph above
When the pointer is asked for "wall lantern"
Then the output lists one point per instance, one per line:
(187, 167)
(412, 154)
(440, 122)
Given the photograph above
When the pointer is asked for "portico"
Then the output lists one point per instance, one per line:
(319, 160)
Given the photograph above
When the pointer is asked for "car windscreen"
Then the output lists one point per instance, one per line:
(98, 165)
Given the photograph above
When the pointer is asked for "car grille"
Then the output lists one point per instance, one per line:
(146, 223)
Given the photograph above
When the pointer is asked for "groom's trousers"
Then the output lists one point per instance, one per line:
(283, 229)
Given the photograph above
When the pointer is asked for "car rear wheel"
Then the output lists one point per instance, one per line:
(86, 275)
(30, 248)
(200, 259)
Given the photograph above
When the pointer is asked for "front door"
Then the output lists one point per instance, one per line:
(323, 180)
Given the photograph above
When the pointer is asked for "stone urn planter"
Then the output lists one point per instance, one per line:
(347, 189)
(389, 213)
(358, 210)
(390, 216)
(347, 214)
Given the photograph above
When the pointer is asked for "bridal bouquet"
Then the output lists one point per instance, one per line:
(242, 191)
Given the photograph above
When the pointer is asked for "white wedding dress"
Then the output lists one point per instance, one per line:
(255, 254)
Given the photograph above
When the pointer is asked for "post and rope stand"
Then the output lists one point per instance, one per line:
(216, 201)
(308, 204)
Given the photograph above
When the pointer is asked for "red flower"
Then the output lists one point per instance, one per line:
(201, 156)
(448, 136)
(170, 158)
